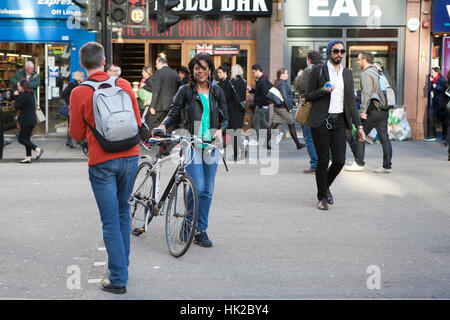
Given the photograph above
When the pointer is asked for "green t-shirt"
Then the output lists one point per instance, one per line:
(205, 126)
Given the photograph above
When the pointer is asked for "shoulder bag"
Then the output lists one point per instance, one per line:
(40, 117)
(275, 96)
(304, 108)
(243, 104)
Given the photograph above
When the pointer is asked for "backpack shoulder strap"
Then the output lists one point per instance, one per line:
(111, 81)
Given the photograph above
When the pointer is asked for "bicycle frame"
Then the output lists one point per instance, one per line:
(159, 201)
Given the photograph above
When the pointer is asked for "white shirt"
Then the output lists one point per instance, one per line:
(337, 95)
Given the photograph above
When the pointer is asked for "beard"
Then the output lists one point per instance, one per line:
(336, 60)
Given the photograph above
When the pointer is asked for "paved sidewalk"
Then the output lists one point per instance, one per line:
(55, 150)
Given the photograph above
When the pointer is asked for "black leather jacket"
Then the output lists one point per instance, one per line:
(187, 108)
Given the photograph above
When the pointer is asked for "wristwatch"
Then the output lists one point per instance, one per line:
(361, 127)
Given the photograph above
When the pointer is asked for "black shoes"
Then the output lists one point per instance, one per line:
(329, 197)
(323, 204)
(300, 146)
(201, 238)
(41, 151)
(109, 287)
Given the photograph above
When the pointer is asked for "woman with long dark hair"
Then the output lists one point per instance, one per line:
(25, 103)
(283, 113)
(201, 102)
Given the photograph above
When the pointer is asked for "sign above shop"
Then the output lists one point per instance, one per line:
(224, 49)
(212, 29)
(441, 16)
(220, 7)
(369, 13)
(37, 9)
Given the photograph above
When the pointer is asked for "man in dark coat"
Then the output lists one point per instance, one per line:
(333, 110)
(164, 87)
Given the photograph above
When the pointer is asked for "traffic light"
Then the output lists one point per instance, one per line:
(164, 19)
(90, 14)
(124, 14)
(118, 11)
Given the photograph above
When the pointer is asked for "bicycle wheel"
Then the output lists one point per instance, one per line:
(141, 200)
(181, 216)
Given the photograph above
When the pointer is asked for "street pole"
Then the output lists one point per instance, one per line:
(106, 33)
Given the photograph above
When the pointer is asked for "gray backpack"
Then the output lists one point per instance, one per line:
(384, 93)
(116, 128)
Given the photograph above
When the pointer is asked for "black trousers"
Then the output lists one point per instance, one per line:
(377, 119)
(25, 137)
(330, 136)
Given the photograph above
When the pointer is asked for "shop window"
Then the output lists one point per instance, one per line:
(372, 33)
(241, 60)
(314, 33)
(384, 52)
(130, 57)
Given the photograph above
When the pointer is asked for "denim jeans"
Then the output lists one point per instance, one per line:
(377, 119)
(202, 170)
(310, 146)
(112, 183)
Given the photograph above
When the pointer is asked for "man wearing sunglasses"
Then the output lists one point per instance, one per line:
(331, 91)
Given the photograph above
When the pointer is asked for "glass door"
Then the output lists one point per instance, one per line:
(297, 55)
(57, 77)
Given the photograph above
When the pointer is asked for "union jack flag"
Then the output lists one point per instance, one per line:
(205, 49)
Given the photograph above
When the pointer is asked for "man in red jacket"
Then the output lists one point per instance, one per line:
(111, 173)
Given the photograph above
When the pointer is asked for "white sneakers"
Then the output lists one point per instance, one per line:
(382, 170)
(354, 167)
(279, 137)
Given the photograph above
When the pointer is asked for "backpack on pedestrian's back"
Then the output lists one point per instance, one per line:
(385, 94)
(116, 128)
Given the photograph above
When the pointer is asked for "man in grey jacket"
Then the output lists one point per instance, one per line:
(372, 115)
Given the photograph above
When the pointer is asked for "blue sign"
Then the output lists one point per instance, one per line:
(38, 9)
(441, 16)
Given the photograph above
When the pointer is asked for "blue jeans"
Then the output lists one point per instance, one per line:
(112, 183)
(202, 170)
(310, 146)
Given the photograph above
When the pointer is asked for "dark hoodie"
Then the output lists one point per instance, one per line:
(262, 87)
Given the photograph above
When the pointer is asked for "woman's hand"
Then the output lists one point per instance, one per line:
(218, 136)
(161, 127)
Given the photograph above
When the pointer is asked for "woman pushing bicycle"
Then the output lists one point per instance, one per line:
(200, 107)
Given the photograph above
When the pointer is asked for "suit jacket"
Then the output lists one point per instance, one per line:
(321, 100)
(164, 88)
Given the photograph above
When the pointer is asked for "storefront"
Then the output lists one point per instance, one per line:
(361, 24)
(231, 31)
(440, 56)
(45, 33)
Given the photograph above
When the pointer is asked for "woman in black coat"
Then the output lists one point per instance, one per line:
(437, 112)
(25, 103)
